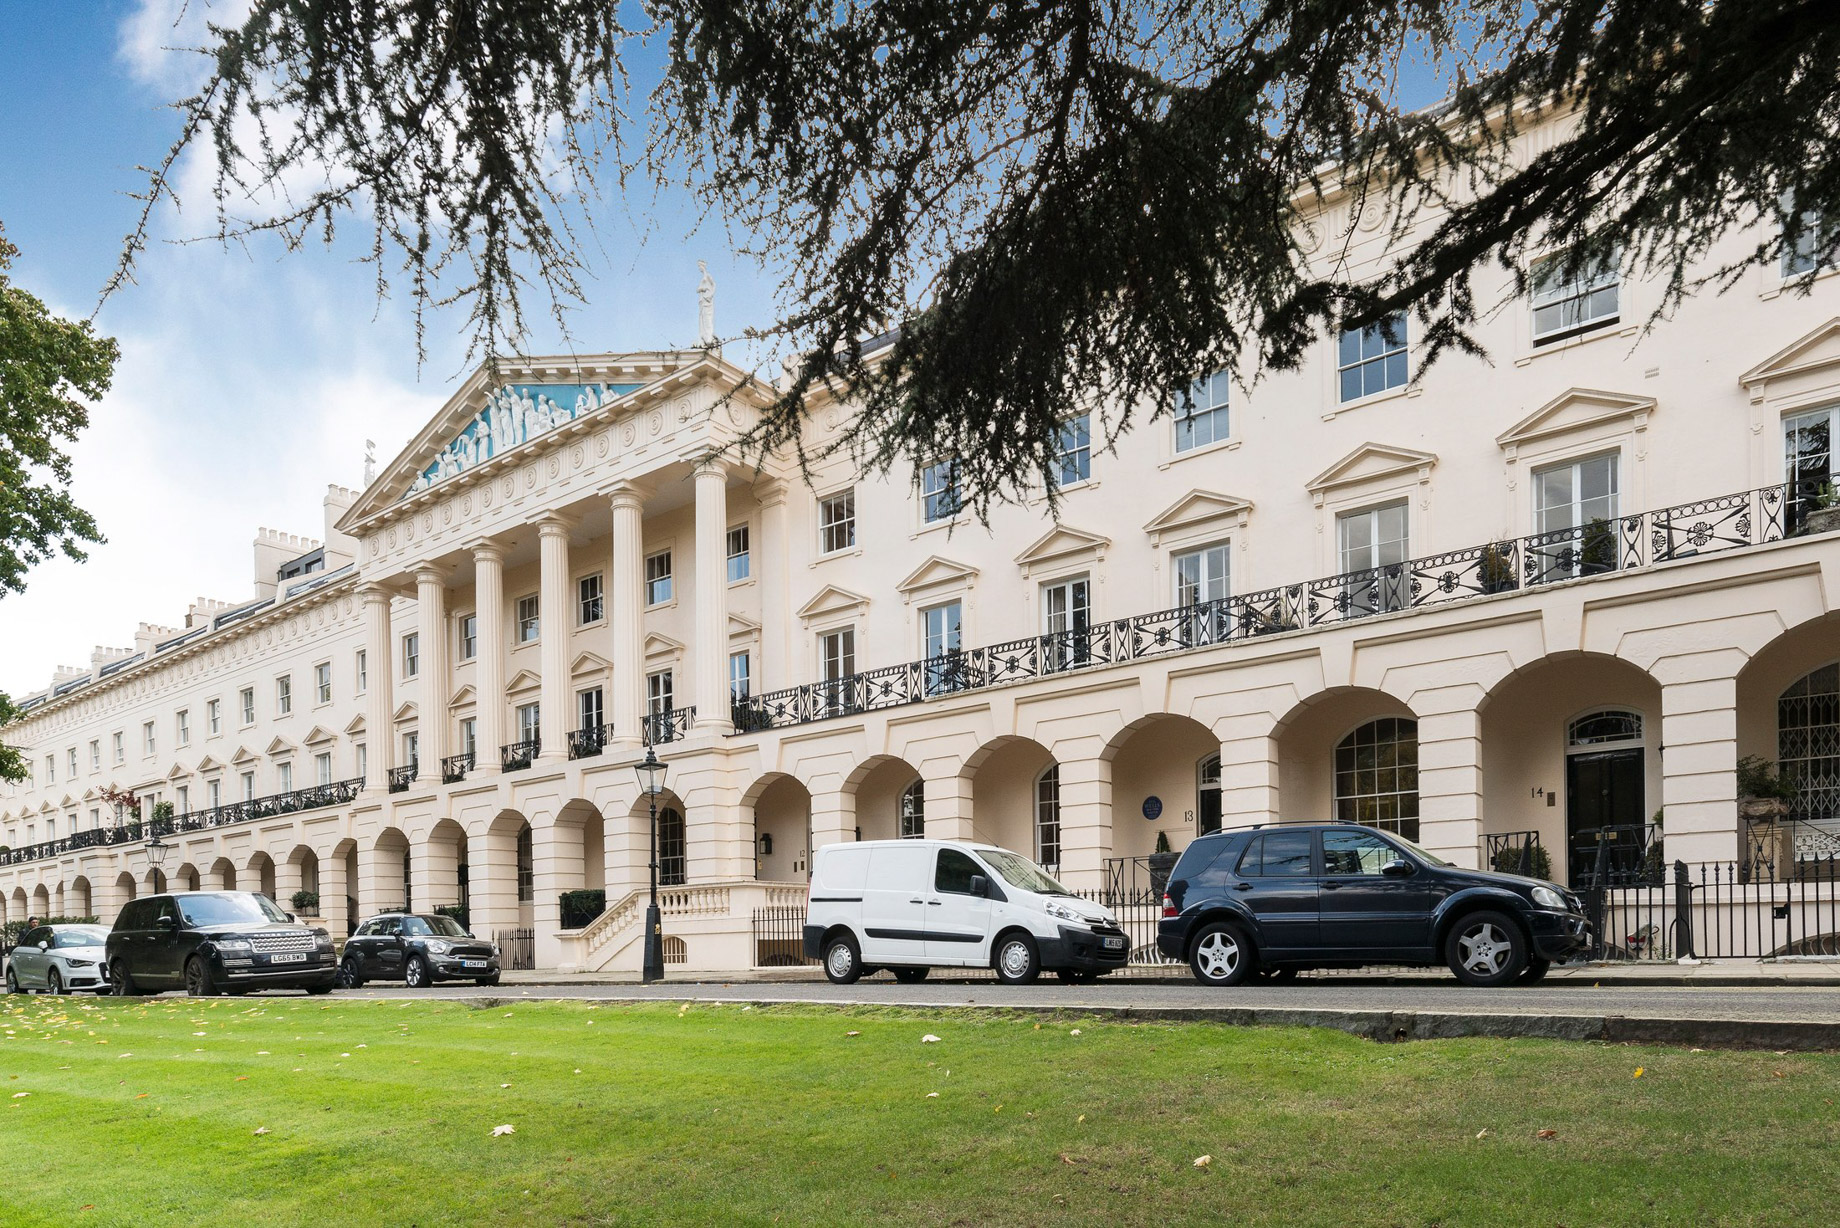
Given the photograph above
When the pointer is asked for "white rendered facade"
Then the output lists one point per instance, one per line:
(535, 573)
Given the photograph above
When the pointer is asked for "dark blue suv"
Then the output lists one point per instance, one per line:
(1276, 899)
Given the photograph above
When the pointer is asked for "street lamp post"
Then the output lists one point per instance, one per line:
(156, 854)
(651, 780)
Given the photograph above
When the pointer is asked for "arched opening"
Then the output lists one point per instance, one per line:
(444, 866)
(261, 877)
(223, 875)
(1006, 793)
(501, 880)
(1808, 759)
(185, 878)
(1319, 781)
(78, 898)
(386, 885)
(124, 890)
(1789, 722)
(339, 878)
(41, 902)
(1165, 785)
(156, 881)
(782, 830)
(303, 867)
(889, 799)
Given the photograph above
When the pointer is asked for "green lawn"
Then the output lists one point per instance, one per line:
(382, 1113)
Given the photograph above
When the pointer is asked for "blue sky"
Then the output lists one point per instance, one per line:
(249, 379)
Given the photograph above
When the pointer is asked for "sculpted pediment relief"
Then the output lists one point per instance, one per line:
(1577, 409)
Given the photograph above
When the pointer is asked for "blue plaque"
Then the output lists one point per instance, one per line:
(1153, 808)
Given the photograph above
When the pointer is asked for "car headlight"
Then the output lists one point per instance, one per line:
(80, 963)
(439, 946)
(495, 948)
(322, 939)
(1062, 911)
(234, 944)
(1546, 897)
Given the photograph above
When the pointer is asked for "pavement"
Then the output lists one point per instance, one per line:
(1775, 1015)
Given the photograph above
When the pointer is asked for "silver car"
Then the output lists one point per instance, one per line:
(59, 959)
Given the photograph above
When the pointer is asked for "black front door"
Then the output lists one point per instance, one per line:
(1604, 789)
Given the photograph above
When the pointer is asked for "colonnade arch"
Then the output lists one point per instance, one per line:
(1165, 782)
(1015, 796)
(889, 798)
(1788, 716)
(780, 805)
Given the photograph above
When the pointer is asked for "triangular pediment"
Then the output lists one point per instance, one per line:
(244, 755)
(1812, 352)
(319, 735)
(1577, 409)
(1372, 462)
(937, 571)
(1195, 508)
(657, 646)
(405, 712)
(464, 696)
(523, 680)
(589, 663)
(68, 800)
(89, 794)
(831, 600)
(1062, 542)
(208, 764)
(177, 771)
(355, 725)
(280, 746)
(739, 625)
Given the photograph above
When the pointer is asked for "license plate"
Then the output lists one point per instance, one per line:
(287, 959)
(472, 963)
(1114, 944)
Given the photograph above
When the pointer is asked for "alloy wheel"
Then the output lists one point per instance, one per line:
(197, 985)
(1218, 954)
(12, 981)
(54, 982)
(1485, 949)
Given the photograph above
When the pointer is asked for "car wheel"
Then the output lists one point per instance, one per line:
(199, 983)
(842, 961)
(489, 981)
(910, 976)
(1017, 961)
(1221, 955)
(54, 982)
(1485, 948)
(416, 975)
(12, 980)
(349, 976)
(1536, 970)
(121, 984)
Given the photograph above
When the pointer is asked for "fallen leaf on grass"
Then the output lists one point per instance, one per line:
(852, 1033)
(1082, 1117)
(503, 1086)
(1067, 1159)
(1075, 1032)
(1638, 1073)
(21, 1095)
(1547, 1134)
(261, 1130)
(929, 1039)
(1483, 1133)
(1203, 1161)
(932, 1096)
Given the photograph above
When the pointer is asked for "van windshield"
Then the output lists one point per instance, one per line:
(1019, 871)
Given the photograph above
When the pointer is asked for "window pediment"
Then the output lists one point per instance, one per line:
(244, 755)
(1195, 510)
(1061, 544)
(462, 697)
(1809, 363)
(177, 771)
(405, 712)
(937, 572)
(659, 648)
(589, 663)
(1577, 410)
(1372, 462)
(355, 727)
(319, 735)
(522, 681)
(830, 601)
(208, 764)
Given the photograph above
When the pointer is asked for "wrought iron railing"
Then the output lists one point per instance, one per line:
(1619, 855)
(134, 831)
(1688, 530)
(1137, 880)
(1517, 852)
(1718, 910)
(516, 756)
(402, 777)
(455, 767)
(669, 726)
(586, 743)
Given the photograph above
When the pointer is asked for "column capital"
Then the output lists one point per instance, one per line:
(554, 524)
(430, 574)
(711, 464)
(771, 492)
(625, 495)
(487, 549)
(375, 592)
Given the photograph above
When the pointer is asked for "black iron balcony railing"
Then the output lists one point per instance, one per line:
(402, 777)
(1709, 526)
(455, 767)
(586, 743)
(516, 756)
(134, 831)
(670, 725)
(1617, 856)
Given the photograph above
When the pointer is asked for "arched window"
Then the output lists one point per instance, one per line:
(670, 847)
(1808, 743)
(1376, 776)
(1604, 728)
(1048, 817)
(1207, 795)
(913, 811)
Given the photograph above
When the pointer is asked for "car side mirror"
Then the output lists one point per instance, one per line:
(43, 945)
(980, 886)
(167, 923)
(1397, 868)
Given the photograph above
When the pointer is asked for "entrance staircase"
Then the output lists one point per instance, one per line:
(708, 927)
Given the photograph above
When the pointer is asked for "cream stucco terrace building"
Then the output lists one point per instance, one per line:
(1565, 590)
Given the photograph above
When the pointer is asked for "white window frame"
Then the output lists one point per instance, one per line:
(469, 636)
(1580, 299)
(412, 654)
(118, 747)
(284, 777)
(1390, 338)
(363, 675)
(1212, 578)
(284, 695)
(837, 521)
(322, 682)
(660, 579)
(660, 692)
(149, 741)
(1575, 508)
(322, 768)
(1073, 451)
(741, 561)
(590, 610)
(837, 654)
(1202, 415)
(529, 719)
(740, 675)
(182, 734)
(939, 499)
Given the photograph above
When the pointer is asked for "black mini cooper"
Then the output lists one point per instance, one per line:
(212, 942)
(1279, 899)
(417, 949)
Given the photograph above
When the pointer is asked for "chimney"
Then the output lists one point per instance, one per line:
(341, 548)
(272, 549)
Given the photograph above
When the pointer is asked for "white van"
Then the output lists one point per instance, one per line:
(910, 905)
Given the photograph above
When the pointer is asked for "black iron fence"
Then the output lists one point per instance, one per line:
(578, 909)
(671, 725)
(1719, 910)
(517, 949)
(1516, 852)
(455, 767)
(134, 831)
(1599, 547)
(402, 777)
(586, 743)
(516, 756)
(1623, 855)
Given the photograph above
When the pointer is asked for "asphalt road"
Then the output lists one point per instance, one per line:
(1774, 1003)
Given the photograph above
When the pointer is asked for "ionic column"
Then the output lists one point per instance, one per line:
(770, 672)
(379, 670)
(553, 631)
(711, 650)
(431, 615)
(626, 616)
(489, 669)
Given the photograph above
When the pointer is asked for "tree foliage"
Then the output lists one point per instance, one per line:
(1059, 205)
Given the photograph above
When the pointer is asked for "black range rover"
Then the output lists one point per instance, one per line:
(213, 942)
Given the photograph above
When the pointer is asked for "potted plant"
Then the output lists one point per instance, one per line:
(1496, 568)
(1596, 548)
(1531, 860)
(1763, 795)
(306, 903)
(1161, 863)
(1824, 514)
